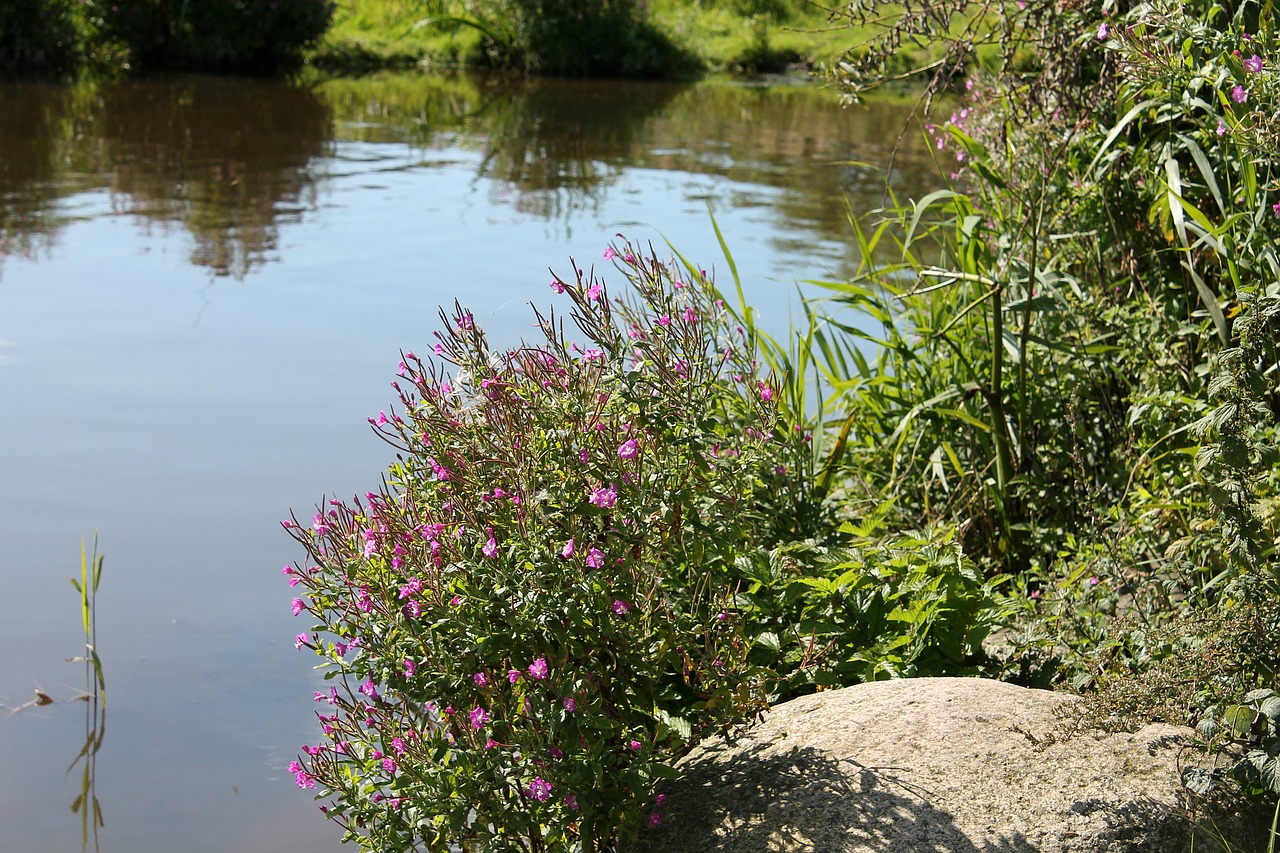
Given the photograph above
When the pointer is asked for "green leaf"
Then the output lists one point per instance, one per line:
(1198, 780)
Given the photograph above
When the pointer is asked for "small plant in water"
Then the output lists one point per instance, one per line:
(95, 697)
(531, 621)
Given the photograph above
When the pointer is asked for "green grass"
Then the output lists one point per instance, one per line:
(726, 35)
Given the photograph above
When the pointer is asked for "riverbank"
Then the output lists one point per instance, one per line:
(748, 36)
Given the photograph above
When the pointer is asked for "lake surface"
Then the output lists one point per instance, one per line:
(205, 286)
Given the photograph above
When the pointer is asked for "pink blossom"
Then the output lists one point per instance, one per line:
(609, 253)
(595, 558)
(298, 606)
(410, 667)
(655, 819)
(569, 704)
(1102, 31)
(594, 291)
(513, 675)
(300, 641)
(397, 746)
(1222, 128)
(1254, 64)
(557, 285)
(635, 745)
(480, 679)
(1239, 94)
(539, 789)
(571, 801)
(630, 449)
(479, 716)
(567, 550)
(604, 497)
(538, 669)
(389, 766)
(621, 608)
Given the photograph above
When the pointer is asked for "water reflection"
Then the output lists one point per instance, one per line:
(231, 161)
(228, 161)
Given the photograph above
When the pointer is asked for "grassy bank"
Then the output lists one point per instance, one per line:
(747, 35)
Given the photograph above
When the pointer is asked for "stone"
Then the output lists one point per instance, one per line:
(959, 765)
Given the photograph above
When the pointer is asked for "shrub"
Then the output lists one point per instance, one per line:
(38, 38)
(533, 619)
(254, 36)
(576, 38)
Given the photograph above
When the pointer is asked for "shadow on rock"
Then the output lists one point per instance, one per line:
(803, 799)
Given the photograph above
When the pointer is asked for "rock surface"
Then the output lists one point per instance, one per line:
(938, 764)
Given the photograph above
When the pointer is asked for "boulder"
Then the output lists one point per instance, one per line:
(959, 765)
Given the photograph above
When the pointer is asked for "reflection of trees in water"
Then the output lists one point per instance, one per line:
(228, 160)
(554, 147)
(37, 131)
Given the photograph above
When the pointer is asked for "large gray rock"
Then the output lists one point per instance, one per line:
(938, 764)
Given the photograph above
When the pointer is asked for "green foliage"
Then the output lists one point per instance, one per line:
(253, 36)
(574, 38)
(39, 38)
(872, 606)
(1077, 354)
(534, 618)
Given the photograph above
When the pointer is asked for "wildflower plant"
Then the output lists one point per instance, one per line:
(528, 624)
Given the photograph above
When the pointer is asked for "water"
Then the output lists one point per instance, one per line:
(204, 289)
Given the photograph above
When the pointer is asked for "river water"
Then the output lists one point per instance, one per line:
(205, 285)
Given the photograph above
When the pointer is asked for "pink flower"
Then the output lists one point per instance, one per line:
(572, 802)
(610, 254)
(595, 558)
(298, 606)
(630, 449)
(1222, 128)
(1239, 94)
(490, 548)
(513, 675)
(604, 497)
(389, 766)
(569, 704)
(538, 669)
(557, 285)
(655, 819)
(635, 745)
(567, 550)
(300, 641)
(1254, 64)
(1102, 31)
(479, 716)
(539, 789)
(766, 393)
(1275, 208)
(621, 608)
(594, 291)
(480, 679)
(397, 745)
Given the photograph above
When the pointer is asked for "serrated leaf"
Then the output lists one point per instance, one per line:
(769, 640)
(1198, 780)
(1239, 718)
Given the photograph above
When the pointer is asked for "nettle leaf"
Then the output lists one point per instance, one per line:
(769, 640)
(1270, 774)
(1270, 708)
(1240, 718)
(1208, 729)
(1198, 780)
